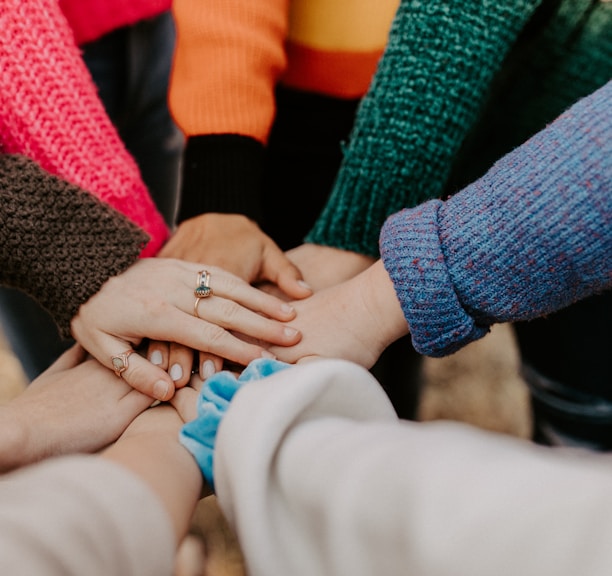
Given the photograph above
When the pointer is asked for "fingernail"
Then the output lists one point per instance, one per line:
(176, 372)
(266, 354)
(291, 332)
(160, 389)
(156, 358)
(208, 369)
(304, 285)
(287, 308)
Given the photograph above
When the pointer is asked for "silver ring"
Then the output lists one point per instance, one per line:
(202, 289)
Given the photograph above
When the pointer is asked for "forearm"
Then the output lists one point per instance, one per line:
(530, 237)
(428, 90)
(157, 458)
(222, 97)
(13, 442)
(48, 508)
(396, 497)
(60, 121)
(58, 243)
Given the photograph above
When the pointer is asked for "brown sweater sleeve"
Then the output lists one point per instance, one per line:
(58, 243)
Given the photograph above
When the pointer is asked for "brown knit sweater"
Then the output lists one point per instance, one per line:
(58, 243)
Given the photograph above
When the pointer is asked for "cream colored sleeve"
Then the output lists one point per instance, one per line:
(318, 476)
(82, 516)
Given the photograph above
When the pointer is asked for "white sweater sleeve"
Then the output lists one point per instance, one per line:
(82, 515)
(318, 476)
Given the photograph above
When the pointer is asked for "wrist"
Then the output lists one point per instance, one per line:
(383, 305)
(14, 444)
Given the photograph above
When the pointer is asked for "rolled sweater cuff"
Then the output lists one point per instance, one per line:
(58, 243)
(222, 173)
(439, 325)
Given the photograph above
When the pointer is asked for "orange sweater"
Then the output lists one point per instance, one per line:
(231, 54)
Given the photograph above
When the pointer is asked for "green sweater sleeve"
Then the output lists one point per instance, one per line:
(58, 243)
(431, 83)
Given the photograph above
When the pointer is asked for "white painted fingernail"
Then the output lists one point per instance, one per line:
(208, 369)
(287, 308)
(266, 354)
(156, 358)
(176, 372)
(290, 332)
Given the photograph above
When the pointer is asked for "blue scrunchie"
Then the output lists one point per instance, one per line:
(199, 435)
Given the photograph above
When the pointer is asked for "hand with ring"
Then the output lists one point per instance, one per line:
(156, 299)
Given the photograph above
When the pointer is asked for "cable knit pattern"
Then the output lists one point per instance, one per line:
(58, 243)
(50, 112)
(441, 64)
(532, 236)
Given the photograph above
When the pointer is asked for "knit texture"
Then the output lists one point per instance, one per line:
(58, 243)
(435, 80)
(230, 58)
(531, 237)
(50, 112)
(222, 173)
(91, 19)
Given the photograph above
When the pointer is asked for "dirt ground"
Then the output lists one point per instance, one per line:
(479, 385)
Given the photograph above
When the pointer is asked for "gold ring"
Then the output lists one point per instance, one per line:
(203, 289)
(195, 306)
(120, 362)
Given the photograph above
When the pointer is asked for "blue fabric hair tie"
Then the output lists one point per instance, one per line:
(199, 435)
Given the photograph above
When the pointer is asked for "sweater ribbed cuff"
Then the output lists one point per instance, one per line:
(222, 173)
(439, 325)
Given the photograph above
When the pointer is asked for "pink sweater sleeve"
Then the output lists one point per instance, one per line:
(50, 112)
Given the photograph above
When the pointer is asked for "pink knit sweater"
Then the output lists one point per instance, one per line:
(50, 112)
(90, 19)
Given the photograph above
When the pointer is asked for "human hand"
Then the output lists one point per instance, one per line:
(154, 298)
(236, 244)
(324, 266)
(355, 320)
(76, 405)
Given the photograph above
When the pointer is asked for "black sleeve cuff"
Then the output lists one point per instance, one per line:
(222, 173)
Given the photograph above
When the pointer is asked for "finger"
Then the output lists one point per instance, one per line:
(231, 287)
(231, 316)
(209, 364)
(185, 401)
(136, 370)
(279, 270)
(209, 337)
(158, 353)
(180, 362)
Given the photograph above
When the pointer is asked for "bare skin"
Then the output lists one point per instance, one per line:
(154, 298)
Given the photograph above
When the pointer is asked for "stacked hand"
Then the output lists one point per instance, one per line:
(155, 299)
(354, 320)
(76, 405)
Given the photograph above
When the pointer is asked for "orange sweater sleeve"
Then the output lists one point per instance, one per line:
(229, 56)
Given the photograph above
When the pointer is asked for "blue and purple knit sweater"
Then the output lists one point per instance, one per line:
(532, 236)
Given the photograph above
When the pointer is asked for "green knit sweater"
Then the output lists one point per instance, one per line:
(58, 243)
(460, 84)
